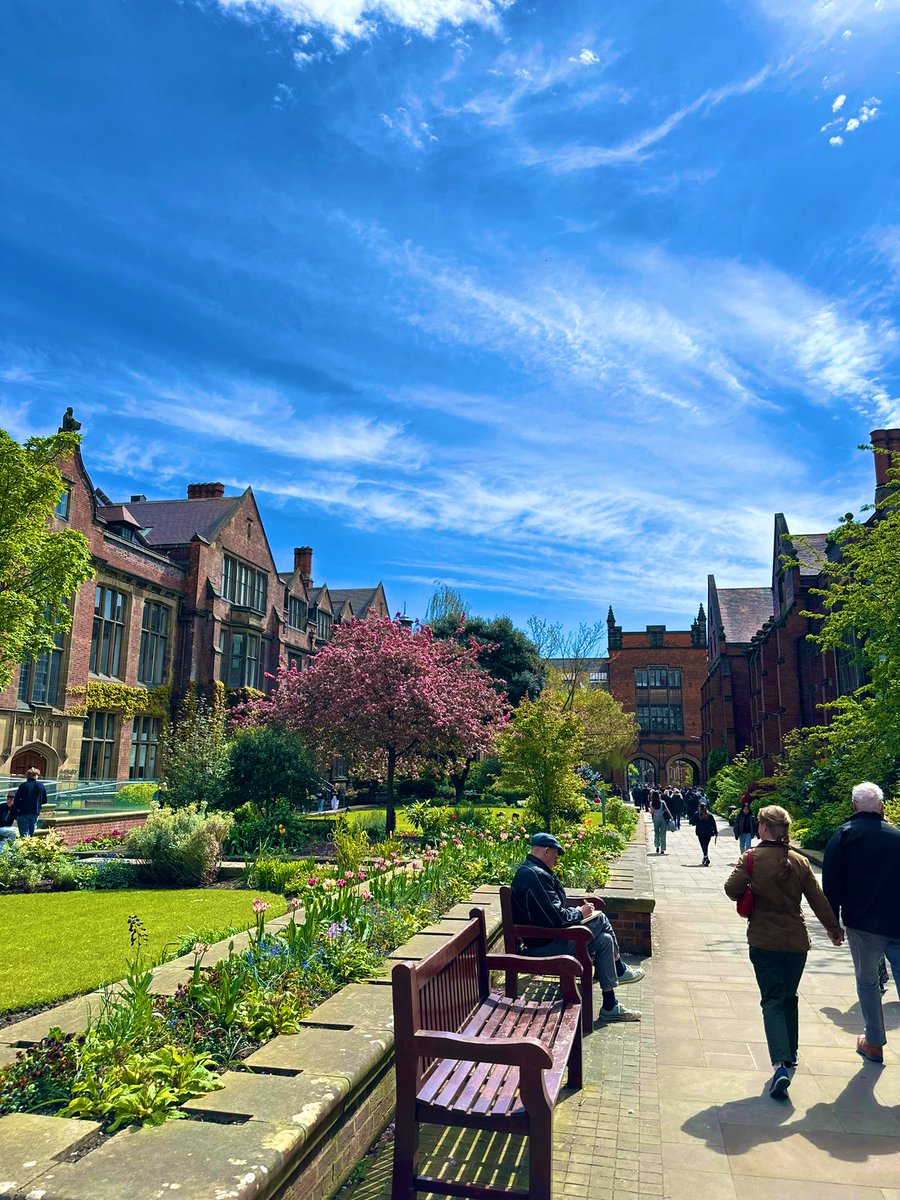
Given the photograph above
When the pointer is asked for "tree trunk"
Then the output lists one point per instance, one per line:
(460, 778)
(390, 823)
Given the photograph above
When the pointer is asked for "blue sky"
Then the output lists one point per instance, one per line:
(555, 302)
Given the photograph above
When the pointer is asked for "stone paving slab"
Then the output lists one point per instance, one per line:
(366, 1004)
(30, 1145)
(200, 1161)
(299, 1100)
(347, 1053)
(73, 1016)
(418, 947)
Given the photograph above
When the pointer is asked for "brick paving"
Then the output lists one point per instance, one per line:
(676, 1107)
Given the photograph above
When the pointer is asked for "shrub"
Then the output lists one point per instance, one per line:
(179, 847)
(621, 816)
(194, 754)
(270, 768)
(430, 819)
(351, 845)
(823, 822)
(137, 795)
(283, 830)
(284, 875)
(109, 876)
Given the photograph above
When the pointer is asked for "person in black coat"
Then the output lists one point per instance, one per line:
(706, 829)
(31, 796)
(8, 831)
(861, 879)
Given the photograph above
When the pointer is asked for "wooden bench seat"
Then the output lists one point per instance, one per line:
(580, 935)
(468, 1056)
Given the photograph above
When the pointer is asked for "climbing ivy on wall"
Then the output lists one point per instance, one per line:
(120, 698)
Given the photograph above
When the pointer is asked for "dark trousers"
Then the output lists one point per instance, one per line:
(778, 974)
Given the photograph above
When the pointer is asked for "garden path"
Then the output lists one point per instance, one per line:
(676, 1107)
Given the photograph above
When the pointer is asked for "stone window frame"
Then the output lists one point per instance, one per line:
(154, 644)
(244, 584)
(99, 745)
(250, 668)
(144, 755)
(106, 657)
(659, 714)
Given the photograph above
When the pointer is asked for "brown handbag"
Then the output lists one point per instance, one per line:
(747, 902)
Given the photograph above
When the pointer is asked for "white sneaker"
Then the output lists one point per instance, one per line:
(631, 975)
(618, 1013)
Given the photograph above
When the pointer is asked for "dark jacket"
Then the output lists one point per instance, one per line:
(30, 797)
(744, 823)
(7, 815)
(538, 898)
(706, 828)
(861, 874)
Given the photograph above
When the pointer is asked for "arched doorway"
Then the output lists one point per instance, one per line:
(681, 772)
(25, 760)
(641, 771)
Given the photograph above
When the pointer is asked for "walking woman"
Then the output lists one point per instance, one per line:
(745, 826)
(777, 934)
(661, 816)
(706, 829)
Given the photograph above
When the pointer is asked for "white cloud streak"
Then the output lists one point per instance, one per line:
(354, 19)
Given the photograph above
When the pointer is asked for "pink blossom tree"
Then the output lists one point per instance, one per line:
(388, 698)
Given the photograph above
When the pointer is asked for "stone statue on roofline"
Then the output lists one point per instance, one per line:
(69, 424)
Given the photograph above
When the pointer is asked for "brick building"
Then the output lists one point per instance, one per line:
(184, 592)
(765, 677)
(657, 673)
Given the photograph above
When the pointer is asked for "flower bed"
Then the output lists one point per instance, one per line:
(147, 1054)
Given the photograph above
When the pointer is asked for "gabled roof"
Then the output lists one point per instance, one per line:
(361, 599)
(175, 522)
(743, 612)
(812, 551)
(118, 514)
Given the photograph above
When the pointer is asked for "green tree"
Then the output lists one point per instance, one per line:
(609, 734)
(194, 754)
(507, 654)
(445, 603)
(861, 620)
(271, 768)
(40, 568)
(539, 751)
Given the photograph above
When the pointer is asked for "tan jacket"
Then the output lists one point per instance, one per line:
(777, 922)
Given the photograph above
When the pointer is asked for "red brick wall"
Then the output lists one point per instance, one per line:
(73, 832)
(676, 651)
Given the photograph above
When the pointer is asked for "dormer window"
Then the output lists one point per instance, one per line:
(296, 612)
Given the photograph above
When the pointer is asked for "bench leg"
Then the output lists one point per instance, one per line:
(511, 988)
(406, 1157)
(575, 1075)
(587, 1000)
(540, 1157)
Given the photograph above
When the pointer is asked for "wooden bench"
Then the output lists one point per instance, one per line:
(468, 1056)
(581, 935)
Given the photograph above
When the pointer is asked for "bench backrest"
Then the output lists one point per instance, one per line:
(506, 912)
(441, 991)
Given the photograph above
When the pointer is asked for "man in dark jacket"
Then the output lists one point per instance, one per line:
(8, 820)
(861, 880)
(31, 796)
(538, 898)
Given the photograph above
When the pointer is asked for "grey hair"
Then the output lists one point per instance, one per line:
(868, 797)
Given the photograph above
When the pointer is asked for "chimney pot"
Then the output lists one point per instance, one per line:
(303, 560)
(205, 491)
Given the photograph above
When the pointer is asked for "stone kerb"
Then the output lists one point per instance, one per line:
(293, 1121)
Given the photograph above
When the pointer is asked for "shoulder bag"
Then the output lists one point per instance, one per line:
(747, 902)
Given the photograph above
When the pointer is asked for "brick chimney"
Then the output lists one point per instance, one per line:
(205, 491)
(303, 561)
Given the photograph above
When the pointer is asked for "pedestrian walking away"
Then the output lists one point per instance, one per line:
(777, 935)
(538, 898)
(744, 826)
(661, 816)
(31, 796)
(861, 878)
(706, 829)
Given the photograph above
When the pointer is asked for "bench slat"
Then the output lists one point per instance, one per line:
(497, 1017)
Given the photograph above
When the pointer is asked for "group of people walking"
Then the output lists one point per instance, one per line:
(666, 810)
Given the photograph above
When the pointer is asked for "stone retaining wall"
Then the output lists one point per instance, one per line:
(292, 1122)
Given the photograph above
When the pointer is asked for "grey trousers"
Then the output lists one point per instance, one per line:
(603, 949)
(866, 950)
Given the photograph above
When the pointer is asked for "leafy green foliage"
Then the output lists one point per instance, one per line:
(732, 780)
(194, 754)
(180, 847)
(270, 768)
(40, 569)
(351, 845)
(539, 751)
(137, 795)
(819, 827)
(507, 654)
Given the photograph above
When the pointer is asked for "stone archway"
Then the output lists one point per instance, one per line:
(37, 754)
(682, 772)
(641, 770)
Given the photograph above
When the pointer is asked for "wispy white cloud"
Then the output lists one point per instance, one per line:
(349, 19)
(410, 126)
(584, 157)
(836, 141)
(252, 416)
(839, 103)
(587, 58)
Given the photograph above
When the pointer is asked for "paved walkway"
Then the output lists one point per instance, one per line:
(676, 1107)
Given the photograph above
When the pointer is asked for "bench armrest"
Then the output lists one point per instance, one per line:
(509, 1052)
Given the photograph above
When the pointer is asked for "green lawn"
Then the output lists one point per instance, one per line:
(64, 943)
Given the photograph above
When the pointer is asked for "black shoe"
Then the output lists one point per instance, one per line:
(781, 1081)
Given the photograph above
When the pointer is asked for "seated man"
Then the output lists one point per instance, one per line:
(538, 898)
(8, 831)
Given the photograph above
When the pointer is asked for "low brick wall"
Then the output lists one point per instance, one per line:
(75, 829)
(632, 924)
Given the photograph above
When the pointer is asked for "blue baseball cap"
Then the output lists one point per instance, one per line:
(548, 840)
